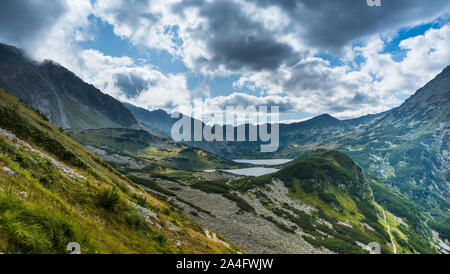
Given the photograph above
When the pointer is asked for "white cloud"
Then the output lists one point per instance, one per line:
(379, 84)
(146, 23)
(295, 78)
(59, 42)
(169, 92)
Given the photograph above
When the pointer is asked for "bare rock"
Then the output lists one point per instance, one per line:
(9, 171)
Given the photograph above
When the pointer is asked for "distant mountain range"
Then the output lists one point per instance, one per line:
(60, 95)
(161, 121)
(414, 135)
(407, 148)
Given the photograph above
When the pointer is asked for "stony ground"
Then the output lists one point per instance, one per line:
(248, 231)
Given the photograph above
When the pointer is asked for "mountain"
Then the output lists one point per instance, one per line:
(322, 122)
(54, 192)
(331, 182)
(60, 95)
(131, 150)
(160, 121)
(366, 118)
(157, 120)
(407, 149)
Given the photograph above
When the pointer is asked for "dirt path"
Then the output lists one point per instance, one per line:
(213, 236)
(389, 232)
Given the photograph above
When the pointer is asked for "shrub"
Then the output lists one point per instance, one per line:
(150, 184)
(336, 245)
(329, 198)
(241, 203)
(160, 237)
(212, 187)
(109, 199)
(134, 220)
(279, 224)
(140, 199)
(27, 131)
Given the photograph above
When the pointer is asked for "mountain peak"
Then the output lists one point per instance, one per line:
(160, 112)
(325, 116)
(56, 92)
(11, 49)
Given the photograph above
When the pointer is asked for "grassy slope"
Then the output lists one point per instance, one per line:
(160, 151)
(42, 208)
(405, 158)
(410, 233)
(333, 184)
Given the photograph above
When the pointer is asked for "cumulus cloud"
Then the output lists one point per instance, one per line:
(238, 36)
(52, 30)
(22, 22)
(334, 24)
(245, 100)
(131, 84)
(379, 84)
(273, 46)
(141, 85)
(146, 23)
(232, 39)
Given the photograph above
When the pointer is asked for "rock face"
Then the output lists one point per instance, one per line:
(60, 95)
(409, 147)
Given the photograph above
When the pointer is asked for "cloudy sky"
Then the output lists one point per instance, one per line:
(309, 57)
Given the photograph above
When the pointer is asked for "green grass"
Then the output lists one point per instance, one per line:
(36, 229)
(336, 187)
(42, 208)
(151, 184)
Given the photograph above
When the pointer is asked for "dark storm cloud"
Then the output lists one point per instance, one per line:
(333, 24)
(238, 42)
(131, 84)
(235, 40)
(23, 21)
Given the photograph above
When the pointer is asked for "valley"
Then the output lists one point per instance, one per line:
(405, 148)
(293, 210)
(79, 166)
